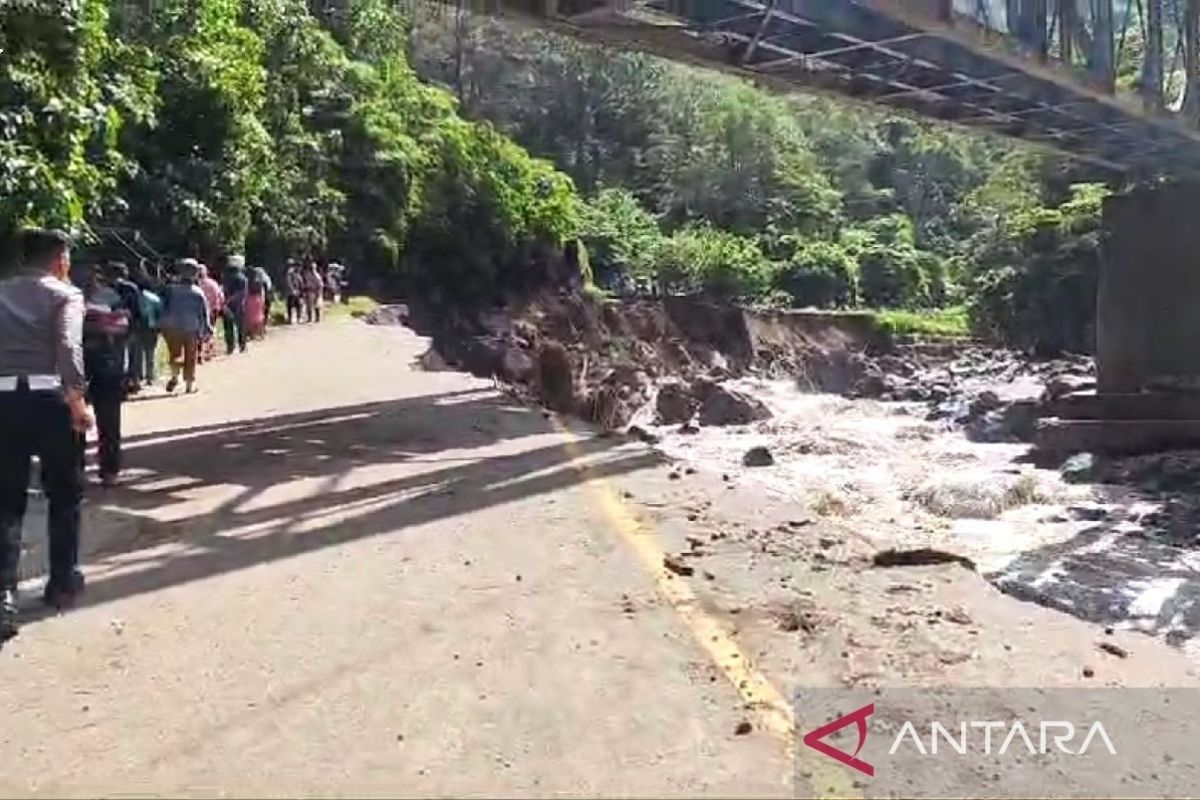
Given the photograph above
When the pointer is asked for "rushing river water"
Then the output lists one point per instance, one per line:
(889, 476)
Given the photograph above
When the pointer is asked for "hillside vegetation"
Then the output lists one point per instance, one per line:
(699, 181)
(210, 126)
(462, 158)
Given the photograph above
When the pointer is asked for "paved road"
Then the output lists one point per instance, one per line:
(332, 574)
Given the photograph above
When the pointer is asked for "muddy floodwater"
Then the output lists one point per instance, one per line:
(1115, 554)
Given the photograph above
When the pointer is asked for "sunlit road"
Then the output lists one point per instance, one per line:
(329, 573)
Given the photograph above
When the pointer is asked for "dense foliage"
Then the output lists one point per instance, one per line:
(285, 127)
(209, 126)
(697, 180)
(1034, 276)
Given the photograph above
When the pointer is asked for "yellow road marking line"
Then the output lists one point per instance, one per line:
(772, 708)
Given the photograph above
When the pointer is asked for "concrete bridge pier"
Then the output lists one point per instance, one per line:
(1147, 331)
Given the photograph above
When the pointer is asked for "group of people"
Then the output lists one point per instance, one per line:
(308, 289)
(69, 358)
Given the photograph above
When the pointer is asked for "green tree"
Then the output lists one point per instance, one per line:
(67, 90)
(622, 237)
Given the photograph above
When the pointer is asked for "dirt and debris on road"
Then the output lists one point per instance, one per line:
(354, 551)
(909, 449)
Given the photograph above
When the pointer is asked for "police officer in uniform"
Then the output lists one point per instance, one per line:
(42, 413)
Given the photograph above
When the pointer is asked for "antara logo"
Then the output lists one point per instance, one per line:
(859, 717)
(1049, 736)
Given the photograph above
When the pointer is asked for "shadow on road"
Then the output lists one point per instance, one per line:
(211, 499)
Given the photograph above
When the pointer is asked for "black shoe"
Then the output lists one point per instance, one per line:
(8, 615)
(172, 385)
(63, 594)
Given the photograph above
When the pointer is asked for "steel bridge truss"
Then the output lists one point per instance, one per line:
(1108, 81)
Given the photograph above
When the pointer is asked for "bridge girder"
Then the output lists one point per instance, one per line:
(1112, 82)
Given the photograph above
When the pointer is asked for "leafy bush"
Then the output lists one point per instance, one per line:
(493, 218)
(821, 274)
(622, 237)
(893, 272)
(1033, 282)
(721, 263)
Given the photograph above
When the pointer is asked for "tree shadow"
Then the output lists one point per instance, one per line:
(212, 499)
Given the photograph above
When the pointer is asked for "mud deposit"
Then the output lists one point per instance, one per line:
(900, 448)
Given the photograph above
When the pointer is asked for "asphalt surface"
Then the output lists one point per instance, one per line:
(329, 573)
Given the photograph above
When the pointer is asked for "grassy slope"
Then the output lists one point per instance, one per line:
(942, 323)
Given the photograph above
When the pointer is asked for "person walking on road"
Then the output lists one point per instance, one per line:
(339, 272)
(257, 292)
(237, 288)
(43, 412)
(294, 284)
(333, 286)
(260, 277)
(131, 304)
(185, 322)
(106, 332)
(314, 287)
(215, 296)
(148, 347)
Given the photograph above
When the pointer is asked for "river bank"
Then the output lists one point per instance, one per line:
(901, 447)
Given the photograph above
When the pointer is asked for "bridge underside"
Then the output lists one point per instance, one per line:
(909, 55)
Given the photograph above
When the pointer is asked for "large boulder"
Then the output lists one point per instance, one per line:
(985, 401)
(517, 366)
(1014, 422)
(556, 380)
(387, 315)
(626, 375)
(832, 371)
(1019, 420)
(676, 403)
(483, 356)
(872, 385)
(758, 457)
(725, 406)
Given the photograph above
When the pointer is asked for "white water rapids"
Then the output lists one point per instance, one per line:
(881, 471)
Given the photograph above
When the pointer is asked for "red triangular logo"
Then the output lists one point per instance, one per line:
(813, 739)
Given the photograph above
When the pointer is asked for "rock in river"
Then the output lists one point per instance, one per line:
(725, 406)
(675, 404)
(758, 457)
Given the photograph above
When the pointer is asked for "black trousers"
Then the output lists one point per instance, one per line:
(107, 396)
(295, 308)
(39, 423)
(234, 319)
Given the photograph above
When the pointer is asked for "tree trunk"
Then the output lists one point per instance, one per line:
(1191, 95)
